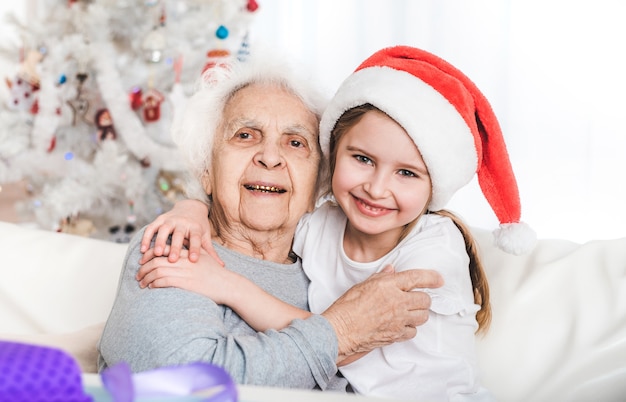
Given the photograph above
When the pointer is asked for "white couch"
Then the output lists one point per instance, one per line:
(559, 314)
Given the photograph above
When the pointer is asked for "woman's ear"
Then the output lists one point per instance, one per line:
(206, 183)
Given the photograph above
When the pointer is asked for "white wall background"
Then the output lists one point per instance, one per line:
(554, 71)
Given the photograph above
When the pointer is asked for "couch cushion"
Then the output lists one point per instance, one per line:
(559, 313)
(559, 322)
(55, 282)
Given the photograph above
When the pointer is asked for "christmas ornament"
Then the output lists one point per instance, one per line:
(79, 104)
(153, 45)
(222, 32)
(53, 144)
(252, 6)
(216, 57)
(25, 84)
(104, 123)
(22, 95)
(244, 49)
(152, 105)
(135, 96)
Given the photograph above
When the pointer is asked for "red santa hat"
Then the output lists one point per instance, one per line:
(450, 121)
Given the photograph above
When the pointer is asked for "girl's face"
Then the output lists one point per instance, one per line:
(380, 179)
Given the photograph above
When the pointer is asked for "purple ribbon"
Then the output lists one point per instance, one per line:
(206, 381)
(39, 373)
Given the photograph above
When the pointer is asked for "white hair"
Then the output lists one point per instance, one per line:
(194, 130)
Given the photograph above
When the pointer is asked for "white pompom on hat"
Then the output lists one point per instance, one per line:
(450, 121)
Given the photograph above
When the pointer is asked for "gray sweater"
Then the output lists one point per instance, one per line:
(149, 328)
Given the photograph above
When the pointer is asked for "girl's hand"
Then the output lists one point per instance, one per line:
(205, 277)
(188, 225)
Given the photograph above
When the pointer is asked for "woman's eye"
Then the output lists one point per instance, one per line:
(244, 135)
(296, 143)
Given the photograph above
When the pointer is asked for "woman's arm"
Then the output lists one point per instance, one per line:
(381, 310)
(148, 328)
(258, 308)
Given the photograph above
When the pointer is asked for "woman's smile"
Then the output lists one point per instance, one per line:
(265, 188)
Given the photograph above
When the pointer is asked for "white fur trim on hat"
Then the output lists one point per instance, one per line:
(439, 131)
(515, 238)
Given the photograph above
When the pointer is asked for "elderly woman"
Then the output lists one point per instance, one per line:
(251, 138)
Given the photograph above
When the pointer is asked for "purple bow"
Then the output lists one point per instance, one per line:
(40, 373)
(207, 382)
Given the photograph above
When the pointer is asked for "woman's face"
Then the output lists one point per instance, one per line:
(265, 161)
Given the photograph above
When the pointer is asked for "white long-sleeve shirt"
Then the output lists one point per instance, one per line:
(439, 364)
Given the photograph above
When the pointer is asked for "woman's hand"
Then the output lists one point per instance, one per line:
(206, 276)
(188, 224)
(381, 310)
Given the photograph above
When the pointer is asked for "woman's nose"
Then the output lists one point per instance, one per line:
(269, 156)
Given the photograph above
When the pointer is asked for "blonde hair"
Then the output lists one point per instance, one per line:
(480, 284)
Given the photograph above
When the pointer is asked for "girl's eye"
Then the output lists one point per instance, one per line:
(363, 159)
(407, 173)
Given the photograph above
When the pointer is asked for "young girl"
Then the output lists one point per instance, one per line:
(403, 133)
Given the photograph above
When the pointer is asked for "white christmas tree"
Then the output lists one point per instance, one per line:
(96, 87)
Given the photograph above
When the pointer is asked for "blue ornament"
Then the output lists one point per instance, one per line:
(62, 79)
(244, 50)
(222, 32)
(69, 156)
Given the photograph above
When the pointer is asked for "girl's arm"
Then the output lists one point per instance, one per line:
(261, 310)
(258, 308)
(188, 225)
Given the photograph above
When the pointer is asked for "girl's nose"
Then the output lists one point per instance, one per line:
(376, 186)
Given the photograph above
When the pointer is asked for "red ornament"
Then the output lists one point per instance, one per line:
(135, 98)
(34, 109)
(53, 144)
(252, 6)
(152, 105)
